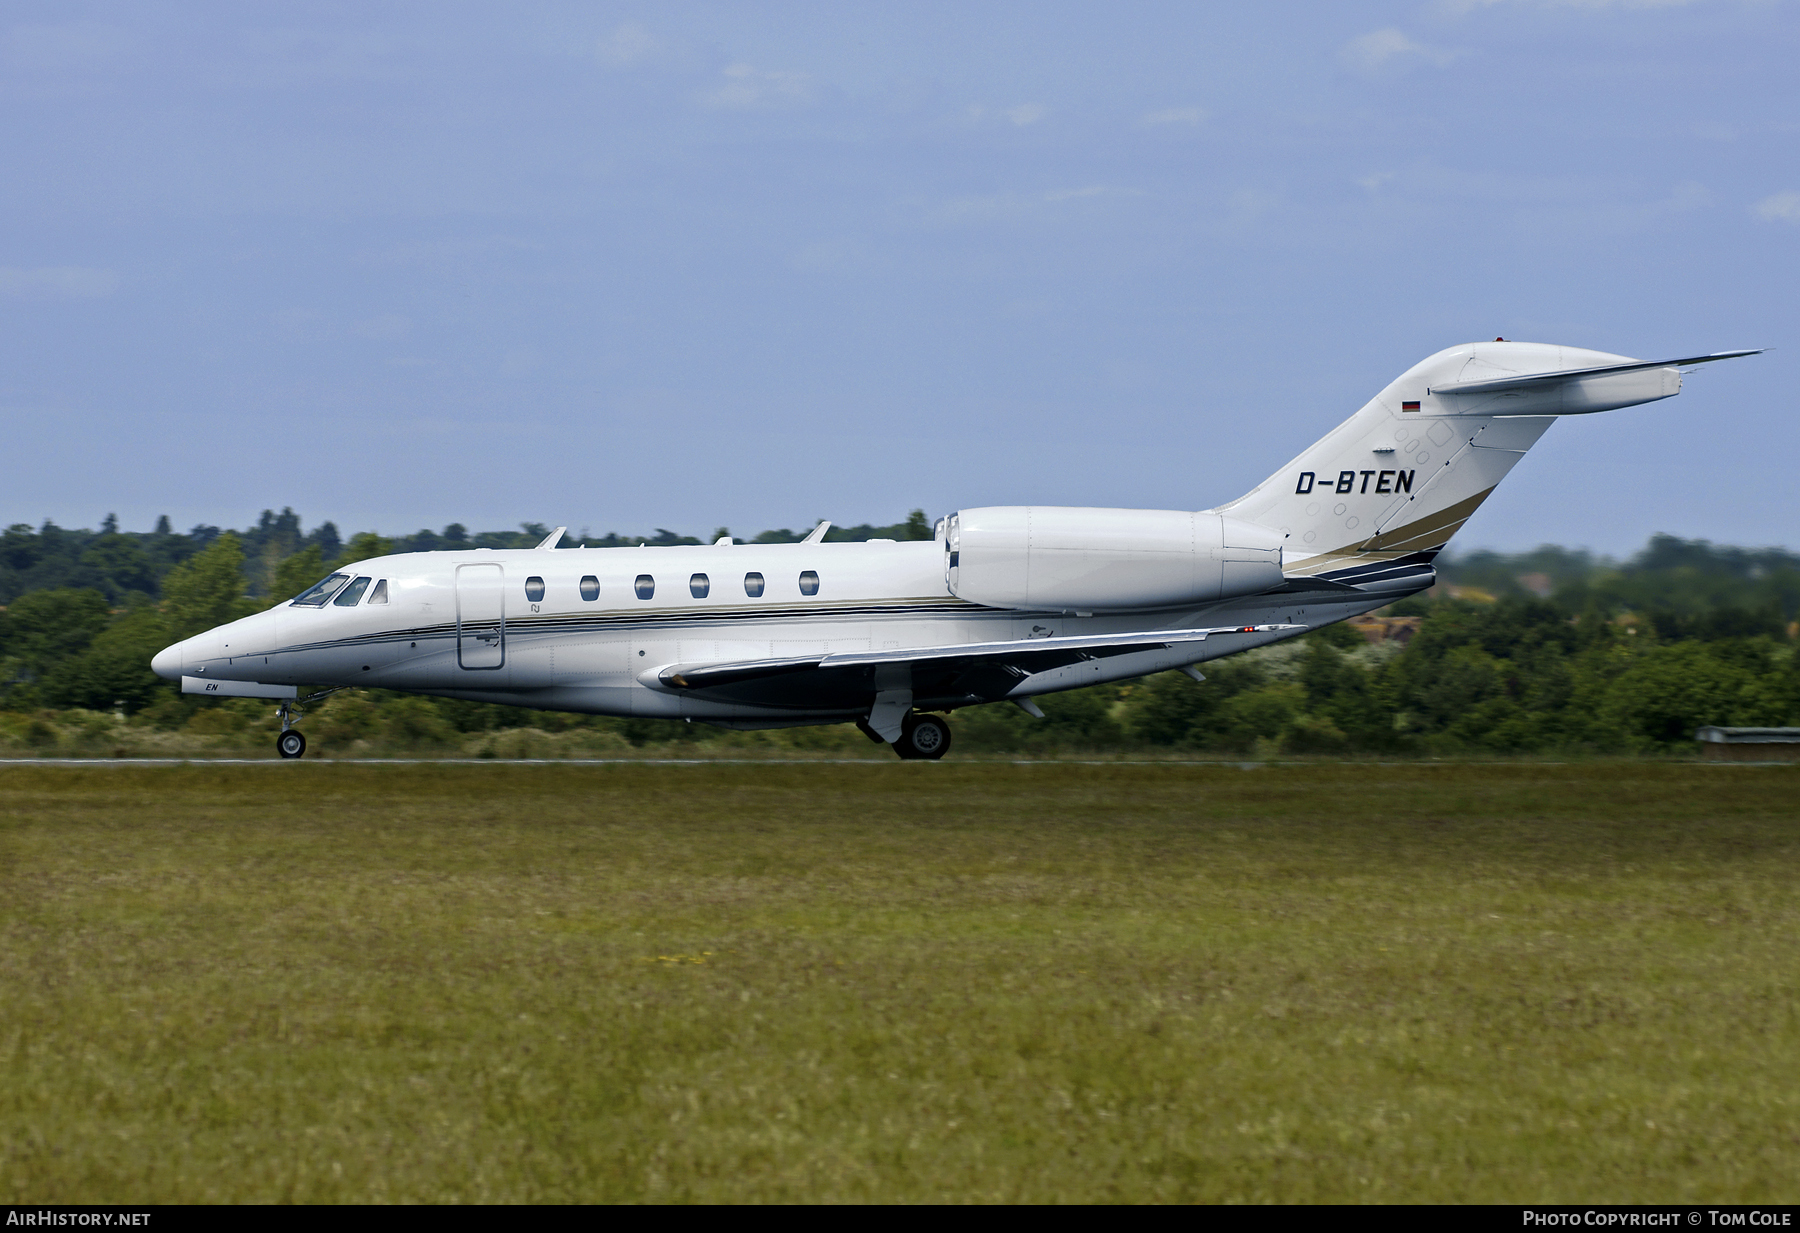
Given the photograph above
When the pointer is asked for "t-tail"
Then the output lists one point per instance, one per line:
(1373, 503)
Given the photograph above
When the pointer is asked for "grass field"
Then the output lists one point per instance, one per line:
(899, 982)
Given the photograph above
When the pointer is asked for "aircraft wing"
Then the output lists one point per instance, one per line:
(965, 673)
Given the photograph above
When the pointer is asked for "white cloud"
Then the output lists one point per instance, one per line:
(300, 324)
(746, 87)
(1010, 207)
(1030, 309)
(1021, 115)
(450, 252)
(1092, 190)
(1782, 207)
(980, 209)
(1250, 204)
(1382, 49)
(388, 325)
(839, 256)
(1687, 195)
(1176, 115)
(64, 282)
(1460, 8)
(626, 45)
(60, 48)
(1713, 132)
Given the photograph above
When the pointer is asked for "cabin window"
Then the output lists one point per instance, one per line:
(590, 588)
(645, 585)
(534, 588)
(379, 594)
(351, 594)
(753, 585)
(316, 595)
(809, 582)
(699, 585)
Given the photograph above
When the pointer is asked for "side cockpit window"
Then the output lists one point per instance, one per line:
(379, 594)
(317, 595)
(351, 594)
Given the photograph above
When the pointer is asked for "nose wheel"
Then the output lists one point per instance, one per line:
(291, 743)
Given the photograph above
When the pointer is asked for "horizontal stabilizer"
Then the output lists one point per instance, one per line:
(1529, 380)
(707, 676)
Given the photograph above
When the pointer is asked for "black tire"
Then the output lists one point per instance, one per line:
(923, 738)
(290, 744)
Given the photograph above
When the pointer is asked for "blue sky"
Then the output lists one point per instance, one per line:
(691, 265)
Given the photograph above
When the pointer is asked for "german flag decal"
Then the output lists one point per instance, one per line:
(1409, 406)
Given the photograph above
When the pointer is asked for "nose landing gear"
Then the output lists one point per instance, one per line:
(291, 742)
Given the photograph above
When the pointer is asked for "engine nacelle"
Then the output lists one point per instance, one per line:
(1094, 560)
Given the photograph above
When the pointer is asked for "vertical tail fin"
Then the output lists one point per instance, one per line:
(1374, 501)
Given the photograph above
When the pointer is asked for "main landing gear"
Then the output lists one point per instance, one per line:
(923, 737)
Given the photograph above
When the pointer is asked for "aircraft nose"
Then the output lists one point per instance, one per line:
(167, 663)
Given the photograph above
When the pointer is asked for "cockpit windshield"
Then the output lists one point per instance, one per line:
(318, 595)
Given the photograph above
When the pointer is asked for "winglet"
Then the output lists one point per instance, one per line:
(817, 536)
(552, 539)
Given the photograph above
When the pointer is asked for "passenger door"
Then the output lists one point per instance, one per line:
(480, 617)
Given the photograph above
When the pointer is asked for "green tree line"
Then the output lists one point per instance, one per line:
(121, 565)
(1552, 650)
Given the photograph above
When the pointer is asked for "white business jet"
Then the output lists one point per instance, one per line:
(1004, 604)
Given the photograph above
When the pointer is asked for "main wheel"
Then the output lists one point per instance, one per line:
(290, 744)
(923, 737)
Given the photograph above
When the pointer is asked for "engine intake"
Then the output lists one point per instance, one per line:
(1093, 560)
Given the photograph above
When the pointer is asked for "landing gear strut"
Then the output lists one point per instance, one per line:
(291, 742)
(923, 737)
